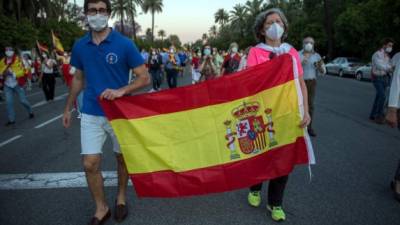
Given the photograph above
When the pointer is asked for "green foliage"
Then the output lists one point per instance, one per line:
(339, 27)
(23, 34)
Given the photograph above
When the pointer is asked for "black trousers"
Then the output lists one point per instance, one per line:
(172, 75)
(48, 85)
(276, 189)
(156, 78)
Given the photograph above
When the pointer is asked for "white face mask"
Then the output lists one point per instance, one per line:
(171, 51)
(234, 50)
(98, 22)
(275, 32)
(72, 70)
(309, 47)
(388, 50)
(9, 53)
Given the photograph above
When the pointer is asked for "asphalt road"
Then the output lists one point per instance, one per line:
(350, 184)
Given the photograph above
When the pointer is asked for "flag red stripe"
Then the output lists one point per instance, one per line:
(241, 174)
(222, 90)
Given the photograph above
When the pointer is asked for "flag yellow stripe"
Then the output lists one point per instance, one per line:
(195, 138)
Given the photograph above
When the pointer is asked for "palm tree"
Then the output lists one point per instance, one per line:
(204, 37)
(162, 35)
(152, 6)
(221, 16)
(149, 34)
(213, 31)
(254, 7)
(119, 10)
(132, 13)
(238, 17)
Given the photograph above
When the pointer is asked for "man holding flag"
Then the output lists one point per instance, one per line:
(103, 59)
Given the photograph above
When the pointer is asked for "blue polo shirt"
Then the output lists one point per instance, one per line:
(106, 65)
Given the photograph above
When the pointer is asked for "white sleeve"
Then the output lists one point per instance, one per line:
(394, 98)
(378, 61)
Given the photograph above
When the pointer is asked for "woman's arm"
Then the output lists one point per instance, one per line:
(306, 118)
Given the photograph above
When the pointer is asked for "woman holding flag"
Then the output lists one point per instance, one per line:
(271, 29)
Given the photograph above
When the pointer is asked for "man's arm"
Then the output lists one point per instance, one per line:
(76, 88)
(142, 80)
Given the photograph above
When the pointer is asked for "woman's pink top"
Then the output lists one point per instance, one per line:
(259, 55)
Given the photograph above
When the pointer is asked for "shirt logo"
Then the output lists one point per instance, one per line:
(112, 58)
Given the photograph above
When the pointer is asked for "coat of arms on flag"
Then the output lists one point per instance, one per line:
(250, 130)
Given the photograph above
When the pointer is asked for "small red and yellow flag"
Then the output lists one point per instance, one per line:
(57, 44)
(42, 48)
(217, 136)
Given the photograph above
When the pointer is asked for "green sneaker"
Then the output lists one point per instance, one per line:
(254, 198)
(277, 213)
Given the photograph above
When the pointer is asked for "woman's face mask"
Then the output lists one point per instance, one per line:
(275, 32)
(9, 53)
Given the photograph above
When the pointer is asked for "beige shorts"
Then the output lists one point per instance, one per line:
(94, 130)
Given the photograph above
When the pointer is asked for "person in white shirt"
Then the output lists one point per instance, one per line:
(48, 77)
(312, 66)
(381, 69)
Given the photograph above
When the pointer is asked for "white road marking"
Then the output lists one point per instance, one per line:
(45, 102)
(50, 121)
(10, 140)
(52, 180)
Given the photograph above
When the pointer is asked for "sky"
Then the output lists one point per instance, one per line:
(189, 19)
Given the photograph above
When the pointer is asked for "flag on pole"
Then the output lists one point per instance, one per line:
(57, 44)
(217, 136)
(42, 47)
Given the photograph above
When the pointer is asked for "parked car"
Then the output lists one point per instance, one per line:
(344, 66)
(364, 72)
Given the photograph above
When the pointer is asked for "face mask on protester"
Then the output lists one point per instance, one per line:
(207, 52)
(98, 22)
(9, 53)
(171, 51)
(153, 52)
(234, 50)
(388, 50)
(199, 54)
(309, 47)
(275, 32)
(72, 70)
(44, 56)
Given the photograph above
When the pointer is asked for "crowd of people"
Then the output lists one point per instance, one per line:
(81, 71)
(200, 64)
(19, 72)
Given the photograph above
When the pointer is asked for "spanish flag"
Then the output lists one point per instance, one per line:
(57, 44)
(42, 48)
(217, 136)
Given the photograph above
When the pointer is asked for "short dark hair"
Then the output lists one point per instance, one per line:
(386, 41)
(86, 5)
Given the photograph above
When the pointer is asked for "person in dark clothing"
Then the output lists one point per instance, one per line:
(155, 64)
